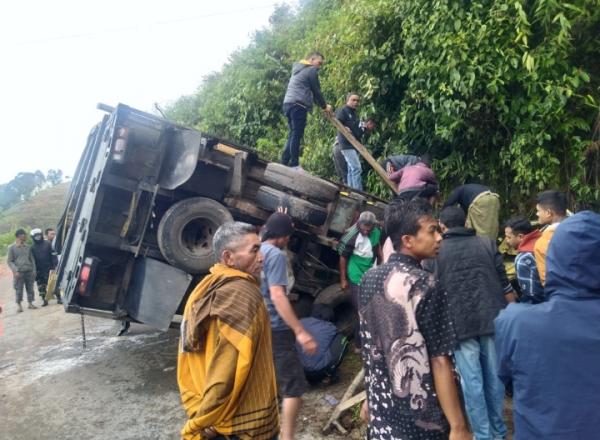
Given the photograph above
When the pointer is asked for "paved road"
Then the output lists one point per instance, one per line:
(118, 388)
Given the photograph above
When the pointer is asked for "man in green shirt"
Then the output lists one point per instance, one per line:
(358, 249)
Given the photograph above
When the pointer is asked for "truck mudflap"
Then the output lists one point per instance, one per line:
(155, 292)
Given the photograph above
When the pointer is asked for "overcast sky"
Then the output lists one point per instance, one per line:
(61, 57)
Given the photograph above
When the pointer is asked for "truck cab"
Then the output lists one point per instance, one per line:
(146, 199)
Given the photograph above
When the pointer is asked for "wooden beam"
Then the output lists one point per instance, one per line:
(349, 399)
(363, 152)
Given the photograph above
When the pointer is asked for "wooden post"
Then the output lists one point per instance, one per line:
(349, 399)
(363, 151)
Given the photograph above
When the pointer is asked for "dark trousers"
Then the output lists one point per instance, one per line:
(354, 292)
(41, 280)
(296, 116)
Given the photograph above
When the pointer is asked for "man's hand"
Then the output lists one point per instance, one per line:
(328, 109)
(344, 284)
(307, 342)
(460, 434)
(208, 433)
(282, 209)
(34, 275)
(17, 275)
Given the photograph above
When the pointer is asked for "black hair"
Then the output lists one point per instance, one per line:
(313, 54)
(348, 95)
(519, 225)
(48, 230)
(453, 217)
(553, 200)
(402, 218)
(20, 232)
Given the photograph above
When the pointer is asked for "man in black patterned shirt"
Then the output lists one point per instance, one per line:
(408, 337)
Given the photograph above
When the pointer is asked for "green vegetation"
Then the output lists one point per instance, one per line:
(42, 211)
(504, 92)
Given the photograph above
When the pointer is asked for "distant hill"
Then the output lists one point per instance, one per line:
(41, 211)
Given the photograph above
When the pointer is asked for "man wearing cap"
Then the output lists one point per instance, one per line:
(286, 328)
(21, 262)
(358, 249)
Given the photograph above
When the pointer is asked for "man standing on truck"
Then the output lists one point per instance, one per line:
(303, 88)
(21, 262)
(285, 326)
(225, 363)
(339, 161)
(348, 117)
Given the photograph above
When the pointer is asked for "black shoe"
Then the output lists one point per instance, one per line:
(58, 300)
(45, 303)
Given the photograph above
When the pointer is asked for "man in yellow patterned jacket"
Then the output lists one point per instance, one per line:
(225, 364)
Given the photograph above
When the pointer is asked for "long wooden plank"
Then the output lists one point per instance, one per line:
(363, 151)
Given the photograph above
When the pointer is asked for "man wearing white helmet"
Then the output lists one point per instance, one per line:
(44, 260)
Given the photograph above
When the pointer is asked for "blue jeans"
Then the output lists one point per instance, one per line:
(354, 169)
(296, 116)
(482, 389)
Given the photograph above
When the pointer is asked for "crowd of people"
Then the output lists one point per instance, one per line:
(32, 264)
(440, 347)
(443, 334)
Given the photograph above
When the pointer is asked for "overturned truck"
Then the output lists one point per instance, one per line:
(148, 195)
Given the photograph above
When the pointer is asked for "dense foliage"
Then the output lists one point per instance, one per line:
(498, 91)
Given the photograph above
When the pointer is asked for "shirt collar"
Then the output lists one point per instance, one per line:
(397, 257)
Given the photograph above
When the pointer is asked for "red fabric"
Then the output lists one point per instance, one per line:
(529, 241)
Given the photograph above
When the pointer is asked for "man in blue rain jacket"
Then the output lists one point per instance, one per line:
(551, 351)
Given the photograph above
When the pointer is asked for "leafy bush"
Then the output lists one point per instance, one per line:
(502, 92)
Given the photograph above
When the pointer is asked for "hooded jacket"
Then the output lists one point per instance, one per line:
(304, 87)
(551, 351)
(471, 270)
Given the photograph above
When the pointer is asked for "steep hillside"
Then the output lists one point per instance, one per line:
(41, 211)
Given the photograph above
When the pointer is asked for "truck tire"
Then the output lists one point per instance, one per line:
(301, 183)
(345, 318)
(186, 231)
(299, 209)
